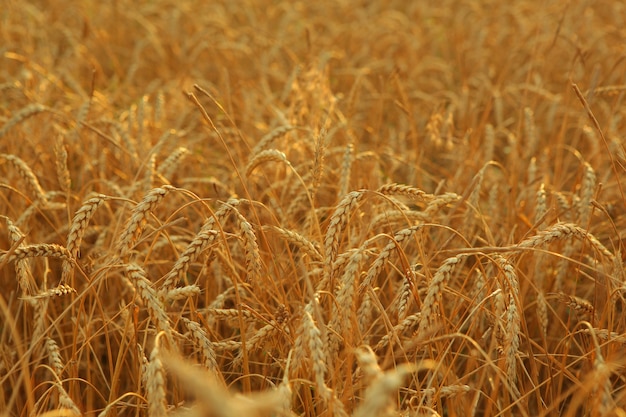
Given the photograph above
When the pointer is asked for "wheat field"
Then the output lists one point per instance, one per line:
(330, 208)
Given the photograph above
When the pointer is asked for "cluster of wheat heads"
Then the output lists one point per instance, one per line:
(343, 216)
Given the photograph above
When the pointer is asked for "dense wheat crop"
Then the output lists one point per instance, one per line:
(324, 208)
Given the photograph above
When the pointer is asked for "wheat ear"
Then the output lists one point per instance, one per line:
(56, 364)
(63, 173)
(77, 230)
(148, 295)
(346, 168)
(406, 292)
(200, 242)
(169, 166)
(139, 218)
(201, 340)
(378, 394)
(601, 392)
(385, 254)
(274, 327)
(407, 323)
(435, 290)
(343, 310)
(48, 250)
(511, 344)
(562, 231)
(268, 155)
(576, 303)
(586, 197)
(313, 336)
(58, 291)
(308, 247)
(23, 114)
(254, 264)
(155, 383)
(27, 175)
(331, 241)
(22, 268)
